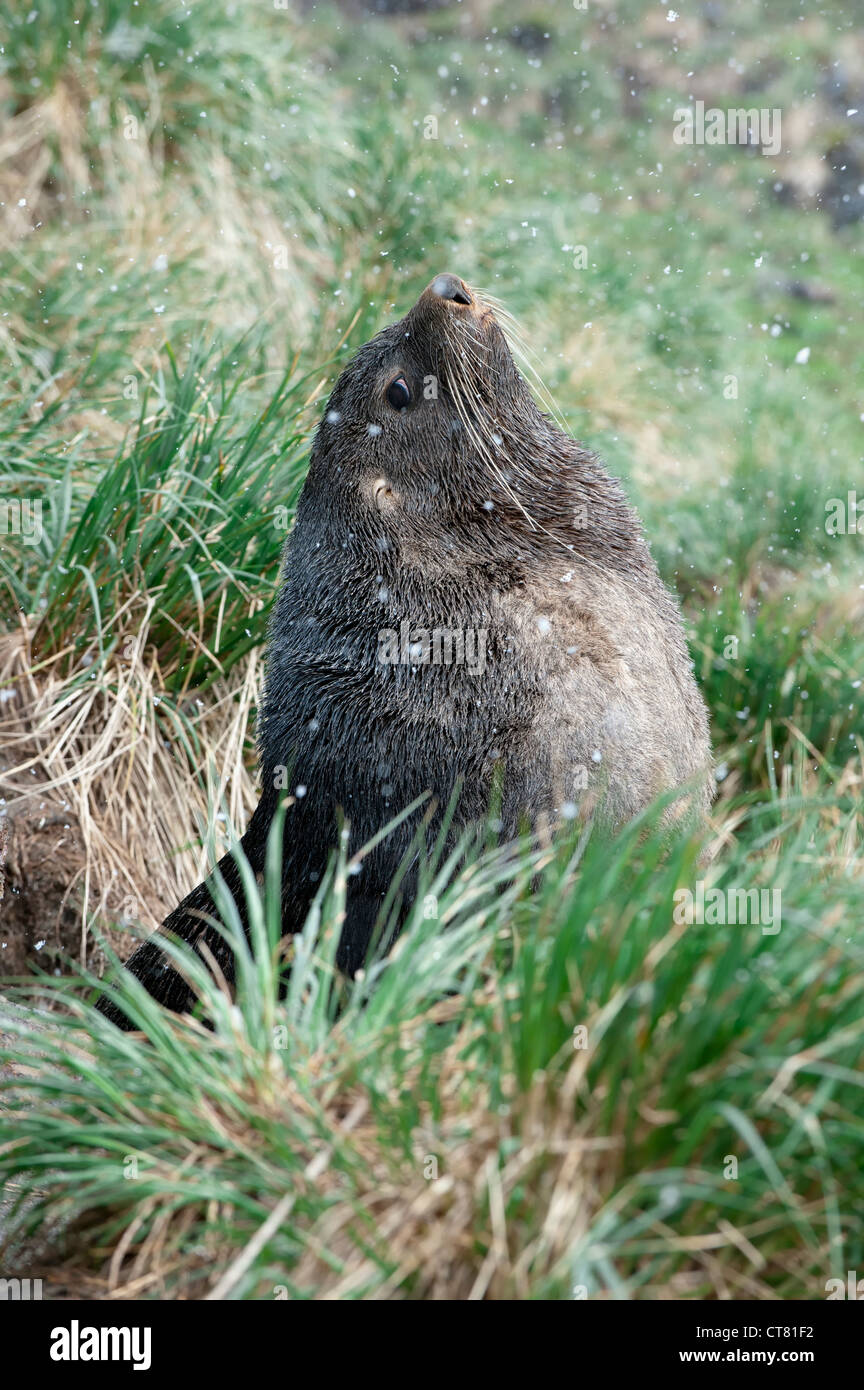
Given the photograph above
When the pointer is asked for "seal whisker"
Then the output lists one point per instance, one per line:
(487, 458)
(522, 349)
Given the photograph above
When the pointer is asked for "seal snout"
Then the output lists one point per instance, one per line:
(448, 309)
(451, 287)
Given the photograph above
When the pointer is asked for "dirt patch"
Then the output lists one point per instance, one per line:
(45, 872)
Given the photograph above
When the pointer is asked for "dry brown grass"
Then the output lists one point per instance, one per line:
(108, 817)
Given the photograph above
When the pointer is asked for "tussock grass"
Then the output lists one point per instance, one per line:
(170, 498)
(434, 1132)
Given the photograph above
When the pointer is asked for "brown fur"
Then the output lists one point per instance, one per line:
(468, 509)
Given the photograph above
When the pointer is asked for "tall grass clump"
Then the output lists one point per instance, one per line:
(536, 1090)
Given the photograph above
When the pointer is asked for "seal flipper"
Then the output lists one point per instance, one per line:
(189, 923)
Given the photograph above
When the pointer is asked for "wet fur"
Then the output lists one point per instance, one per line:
(586, 663)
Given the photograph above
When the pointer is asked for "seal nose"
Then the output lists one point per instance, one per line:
(451, 287)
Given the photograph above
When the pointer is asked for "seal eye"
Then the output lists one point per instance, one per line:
(398, 393)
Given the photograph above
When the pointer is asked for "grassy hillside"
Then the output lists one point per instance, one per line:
(203, 210)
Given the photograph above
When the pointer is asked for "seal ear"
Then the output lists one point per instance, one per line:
(383, 495)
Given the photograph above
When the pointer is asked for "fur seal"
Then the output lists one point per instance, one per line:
(467, 603)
